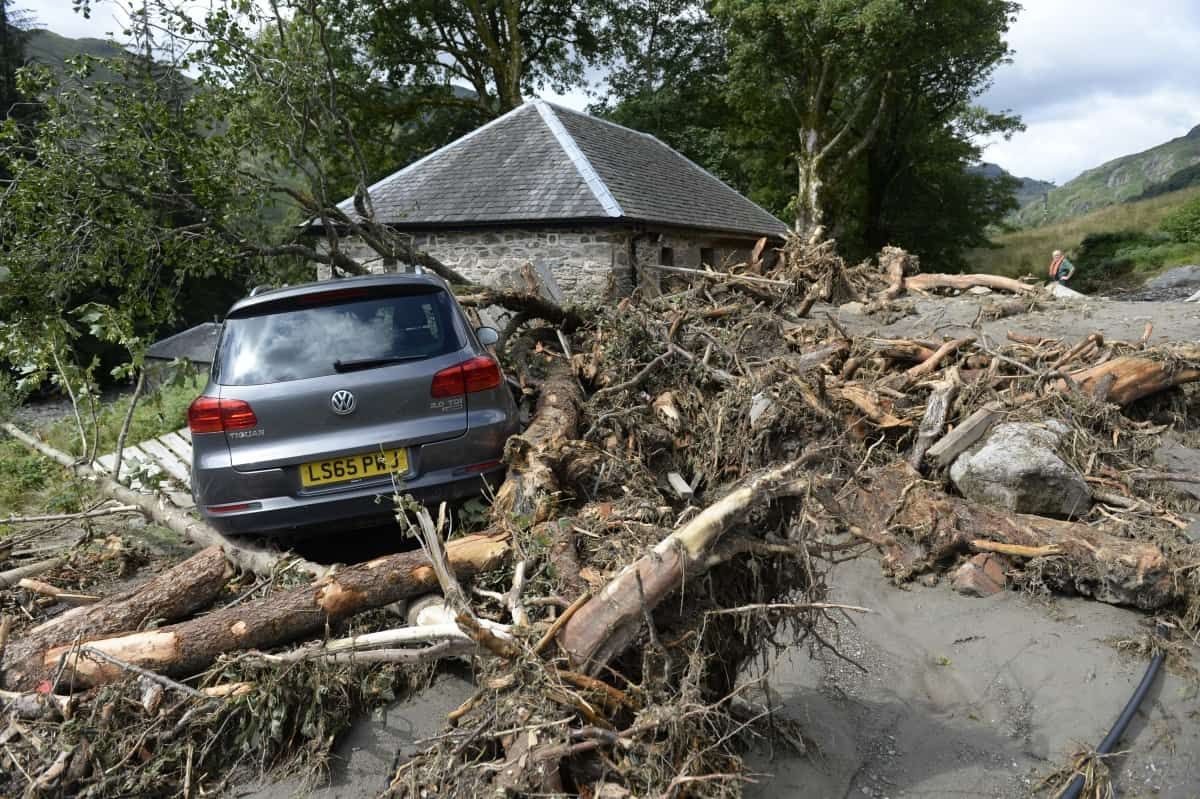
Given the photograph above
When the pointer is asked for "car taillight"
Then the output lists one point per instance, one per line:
(477, 374)
(213, 415)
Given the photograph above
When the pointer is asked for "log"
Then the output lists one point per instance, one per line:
(869, 403)
(244, 556)
(529, 304)
(174, 594)
(1090, 561)
(937, 410)
(532, 456)
(930, 281)
(610, 621)
(1134, 377)
(12, 577)
(894, 260)
(965, 434)
(188, 647)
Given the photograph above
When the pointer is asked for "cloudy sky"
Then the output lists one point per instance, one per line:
(1093, 79)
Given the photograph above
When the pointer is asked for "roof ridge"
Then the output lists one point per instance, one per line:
(580, 161)
(440, 150)
(664, 145)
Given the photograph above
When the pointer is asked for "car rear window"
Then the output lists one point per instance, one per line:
(294, 343)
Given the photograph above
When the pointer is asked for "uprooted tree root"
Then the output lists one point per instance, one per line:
(694, 460)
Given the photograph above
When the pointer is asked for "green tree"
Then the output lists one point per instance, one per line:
(502, 50)
(821, 78)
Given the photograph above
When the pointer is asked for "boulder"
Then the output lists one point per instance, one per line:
(1016, 467)
(1177, 278)
(1063, 293)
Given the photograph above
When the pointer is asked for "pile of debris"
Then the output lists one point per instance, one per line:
(693, 460)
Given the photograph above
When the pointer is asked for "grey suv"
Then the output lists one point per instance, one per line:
(321, 394)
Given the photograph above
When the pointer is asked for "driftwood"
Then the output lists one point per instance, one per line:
(174, 594)
(928, 282)
(245, 556)
(13, 576)
(1093, 563)
(962, 437)
(530, 305)
(1133, 378)
(532, 456)
(937, 410)
(188, 647)
(610, 621)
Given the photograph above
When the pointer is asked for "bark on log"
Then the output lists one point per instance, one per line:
(188, 647)
(174, 594)
(1133, 378)
(927, 282)
(610, 621)
(531, 305)
(532, 456)
(937, 410)
(1091, 562)
(10, 578)
(245, 556)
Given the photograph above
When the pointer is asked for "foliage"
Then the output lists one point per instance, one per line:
(502, 49)
(1184, 223)
(162, 410)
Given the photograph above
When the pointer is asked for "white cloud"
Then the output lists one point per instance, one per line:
(1096, 79)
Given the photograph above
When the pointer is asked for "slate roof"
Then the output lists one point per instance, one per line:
(545, 163)
(198, 344)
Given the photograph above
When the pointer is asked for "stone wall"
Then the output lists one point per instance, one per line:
(589, 264)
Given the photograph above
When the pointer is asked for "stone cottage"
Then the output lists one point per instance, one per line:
(590, 201)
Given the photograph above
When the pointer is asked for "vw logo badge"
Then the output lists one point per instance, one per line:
(342, 402)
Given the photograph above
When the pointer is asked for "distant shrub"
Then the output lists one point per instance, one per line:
(1184, 223)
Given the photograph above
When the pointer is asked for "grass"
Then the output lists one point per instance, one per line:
(159, 411)
(1028, 251)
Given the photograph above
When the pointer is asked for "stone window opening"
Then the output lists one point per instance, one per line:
(708, 256)
(666, 256)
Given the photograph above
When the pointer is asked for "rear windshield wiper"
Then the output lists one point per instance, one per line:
(371, 363)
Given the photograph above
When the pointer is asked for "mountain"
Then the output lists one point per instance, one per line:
(1029, 189)
(1158, 170)
(47, 47)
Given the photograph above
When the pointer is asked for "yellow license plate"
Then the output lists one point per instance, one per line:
(354, 467)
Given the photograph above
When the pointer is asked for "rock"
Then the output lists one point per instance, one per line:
(1063, 293)
(979, 290)
(1194, 298)
(982, 575)
(852, 308)
(929, 580)
(1179, 277)
(1173, 456)
(1017, 468)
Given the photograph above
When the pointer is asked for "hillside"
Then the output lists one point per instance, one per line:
(1131, 230)
(1121, 179)
(47, 47)
(1028, 190)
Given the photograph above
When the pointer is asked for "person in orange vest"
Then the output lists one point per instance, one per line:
(1061, 269)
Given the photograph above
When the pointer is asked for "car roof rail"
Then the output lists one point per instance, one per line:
(259, 289)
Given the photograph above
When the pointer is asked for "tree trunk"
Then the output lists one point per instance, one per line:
(1134, 377)
(610, 621)
(174, 594)
(1087, 560)
(533, 455)
(810, 214)
(191, 646)
(927, 282)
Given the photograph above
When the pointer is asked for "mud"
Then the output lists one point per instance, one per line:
(973, 697)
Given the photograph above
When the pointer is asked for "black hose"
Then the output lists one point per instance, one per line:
(1110, 741)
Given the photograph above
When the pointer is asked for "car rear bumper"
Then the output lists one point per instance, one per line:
(277, 515)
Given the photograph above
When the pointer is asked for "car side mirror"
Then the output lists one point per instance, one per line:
(488, 336)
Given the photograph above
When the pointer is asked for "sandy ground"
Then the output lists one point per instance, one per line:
(973, 697)
(934, 318)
